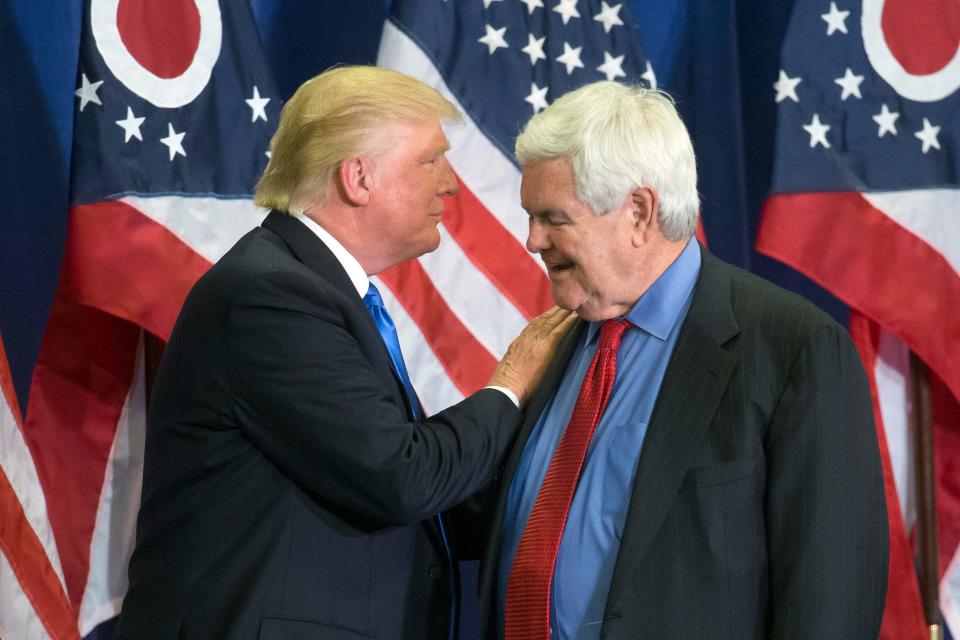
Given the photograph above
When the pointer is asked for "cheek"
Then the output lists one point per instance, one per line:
(430, 189)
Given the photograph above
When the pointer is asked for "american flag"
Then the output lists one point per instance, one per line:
(866, 201)
(174, 113)
(499, 61)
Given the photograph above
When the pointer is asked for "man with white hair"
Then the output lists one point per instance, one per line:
(701, 460)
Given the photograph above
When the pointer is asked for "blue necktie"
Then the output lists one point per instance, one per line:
(388, 332)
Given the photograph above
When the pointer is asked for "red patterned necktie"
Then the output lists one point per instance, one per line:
(527, 610)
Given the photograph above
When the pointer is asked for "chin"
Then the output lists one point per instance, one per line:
(594, 313)
(428, 245)
(567, 300)
(591, 315)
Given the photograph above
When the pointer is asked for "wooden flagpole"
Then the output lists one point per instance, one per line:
(927, 546)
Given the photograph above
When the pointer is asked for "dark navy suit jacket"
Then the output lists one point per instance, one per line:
(286, 494)
(758, 507)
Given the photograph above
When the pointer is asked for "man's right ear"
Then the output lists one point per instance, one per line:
(356, 180)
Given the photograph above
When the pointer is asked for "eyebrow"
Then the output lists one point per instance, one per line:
(547, 213)
(439, 152)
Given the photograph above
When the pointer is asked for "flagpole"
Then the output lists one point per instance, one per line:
(927, 547)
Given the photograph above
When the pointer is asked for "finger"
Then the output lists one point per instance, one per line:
(541, 321)
(544, 317)
(564, 326)
(555, 316)
(560, 317)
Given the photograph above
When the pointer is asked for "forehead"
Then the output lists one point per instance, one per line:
(420, 133)
(547, 181)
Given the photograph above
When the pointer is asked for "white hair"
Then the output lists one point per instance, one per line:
(619, 137)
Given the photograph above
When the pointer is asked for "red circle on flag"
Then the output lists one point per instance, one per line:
(923, 35)
(163, 37)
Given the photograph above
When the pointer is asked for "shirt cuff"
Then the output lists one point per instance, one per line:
(510, 394)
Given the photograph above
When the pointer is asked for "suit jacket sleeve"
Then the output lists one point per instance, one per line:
(311, 402)
(826, 513)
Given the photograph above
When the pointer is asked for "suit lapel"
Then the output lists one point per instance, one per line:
(312, 252)
(693, 385)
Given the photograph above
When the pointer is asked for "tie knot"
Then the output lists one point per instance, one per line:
(610, 333)
(372, 297)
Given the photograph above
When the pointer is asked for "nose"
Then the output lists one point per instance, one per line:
(448, 185)
(538, 238)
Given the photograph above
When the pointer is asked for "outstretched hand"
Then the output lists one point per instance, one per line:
(528, 356)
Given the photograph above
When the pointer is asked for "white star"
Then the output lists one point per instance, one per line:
(836, 19)
(850, 84)
(567, 9)
(494, 39)
(131, 126)
(532, 4)
(570, 57)
(786, 87)
(928, 135)
(649, 76)
(88, 92)
(609, 16)
(817, 131)
(537, 97)
(534, 49)
(174, 142)
(257, 105)
(612, 67)
(887, 121)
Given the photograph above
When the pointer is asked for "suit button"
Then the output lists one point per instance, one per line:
(435, 572)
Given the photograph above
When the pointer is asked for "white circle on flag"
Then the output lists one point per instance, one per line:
(922, 88)
(163, 92)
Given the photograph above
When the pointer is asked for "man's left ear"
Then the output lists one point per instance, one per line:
(644, 207)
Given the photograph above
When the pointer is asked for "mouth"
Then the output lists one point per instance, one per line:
(558, 267)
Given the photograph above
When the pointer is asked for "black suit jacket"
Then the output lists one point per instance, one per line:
(758, 508)
(286, 494)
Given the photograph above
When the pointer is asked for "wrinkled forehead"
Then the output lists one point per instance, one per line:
(546, 179)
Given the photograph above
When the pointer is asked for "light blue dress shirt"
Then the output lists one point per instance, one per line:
(591, 538)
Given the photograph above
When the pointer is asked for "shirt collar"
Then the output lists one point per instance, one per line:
(354, 271)
(658, 309)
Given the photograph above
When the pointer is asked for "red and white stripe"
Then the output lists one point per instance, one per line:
(893, 256)
(458, 308)
(116, 515)
(70, 486)
(33, 600)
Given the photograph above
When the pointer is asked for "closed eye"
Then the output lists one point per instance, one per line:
(551, 218)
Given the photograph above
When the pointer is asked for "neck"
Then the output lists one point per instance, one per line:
(657, 259)
(342, 222)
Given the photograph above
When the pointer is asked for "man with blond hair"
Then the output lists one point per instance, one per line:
(293, 487)
(701, 461)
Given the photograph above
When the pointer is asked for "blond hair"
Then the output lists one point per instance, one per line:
(337, 115)
(619, 137)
